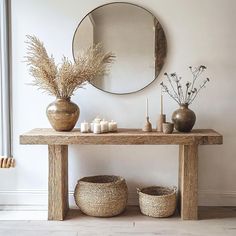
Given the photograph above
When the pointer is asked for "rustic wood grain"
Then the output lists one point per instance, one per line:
(58, 182)
(188, 181)
(122, 137)
(58, 160)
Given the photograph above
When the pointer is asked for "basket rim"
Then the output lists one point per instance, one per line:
(173, 189)
(84, 180)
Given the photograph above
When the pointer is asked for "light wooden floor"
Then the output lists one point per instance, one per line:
(214, 221)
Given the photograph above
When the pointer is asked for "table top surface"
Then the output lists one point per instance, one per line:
(49, 136)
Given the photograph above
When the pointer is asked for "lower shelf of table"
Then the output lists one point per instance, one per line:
(133, 214)
(129, 213)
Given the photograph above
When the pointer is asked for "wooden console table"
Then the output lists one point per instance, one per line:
(58, 160)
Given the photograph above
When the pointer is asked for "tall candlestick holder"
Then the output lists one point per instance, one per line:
(161, 119)
(148, 126)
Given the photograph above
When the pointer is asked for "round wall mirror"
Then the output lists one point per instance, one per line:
(136, 38)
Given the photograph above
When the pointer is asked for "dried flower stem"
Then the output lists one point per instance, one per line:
(191, 91)
(196, 93)
(175, 93)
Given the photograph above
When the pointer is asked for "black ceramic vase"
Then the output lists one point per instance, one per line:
(183, 118)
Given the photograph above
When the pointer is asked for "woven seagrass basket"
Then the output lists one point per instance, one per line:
(101, 196)
(157, 201)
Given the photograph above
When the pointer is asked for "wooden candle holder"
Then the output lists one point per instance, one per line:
(148, 126)
(160, 121)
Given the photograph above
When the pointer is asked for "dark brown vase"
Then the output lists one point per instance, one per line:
(184, 118)
(63, 114)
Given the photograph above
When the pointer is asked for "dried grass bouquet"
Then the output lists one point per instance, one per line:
(63, 80)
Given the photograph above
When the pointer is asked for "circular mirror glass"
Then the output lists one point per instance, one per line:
(136, 38)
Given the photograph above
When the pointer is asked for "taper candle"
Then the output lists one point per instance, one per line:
(161, 102)
(146, 107)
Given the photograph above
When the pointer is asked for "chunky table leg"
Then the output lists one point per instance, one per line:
(188, 181)
(58, 182)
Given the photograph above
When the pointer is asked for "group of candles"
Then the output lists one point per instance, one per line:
(98, 126)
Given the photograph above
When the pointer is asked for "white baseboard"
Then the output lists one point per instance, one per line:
(29, 200)
(216, 198)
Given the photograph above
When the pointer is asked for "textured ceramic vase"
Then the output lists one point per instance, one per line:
(63, 114)
(167, 128)
(183, 118)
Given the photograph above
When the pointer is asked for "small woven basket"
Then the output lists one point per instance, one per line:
(157, 201)
(101, 196)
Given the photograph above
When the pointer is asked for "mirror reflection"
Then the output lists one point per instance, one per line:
(136, 38)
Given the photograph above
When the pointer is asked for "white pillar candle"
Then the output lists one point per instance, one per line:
(96, 128)
(112, 126)
(91, 126)
(84, 127)
(97, 120)
(146, 107)
(104, 126)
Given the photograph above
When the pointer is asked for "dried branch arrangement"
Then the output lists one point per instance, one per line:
(62, 81)
(177, 92)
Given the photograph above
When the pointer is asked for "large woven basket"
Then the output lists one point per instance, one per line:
(101, 196)
(157, 201)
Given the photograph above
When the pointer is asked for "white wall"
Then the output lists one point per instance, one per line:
(198, 32)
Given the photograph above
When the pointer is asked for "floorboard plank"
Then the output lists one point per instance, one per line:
(213, 221)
